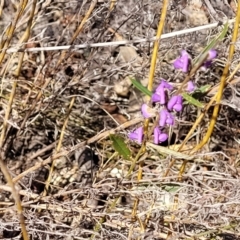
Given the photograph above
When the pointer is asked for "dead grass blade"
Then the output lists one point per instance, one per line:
(73, 99)
(79, 29)
(11, 28)
(3, 167)
(58, 147)
(222, 84)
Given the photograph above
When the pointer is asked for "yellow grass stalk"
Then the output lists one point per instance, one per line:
(3, 167)
(222, 84)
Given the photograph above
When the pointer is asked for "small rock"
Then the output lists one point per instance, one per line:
(196, 16)
(122, 88)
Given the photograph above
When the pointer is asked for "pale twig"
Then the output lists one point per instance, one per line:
(116, 43)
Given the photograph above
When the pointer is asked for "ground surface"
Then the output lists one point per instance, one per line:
(89, 193)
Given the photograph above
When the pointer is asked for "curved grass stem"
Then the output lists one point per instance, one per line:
(222, 84)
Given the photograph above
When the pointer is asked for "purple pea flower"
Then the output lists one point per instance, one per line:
(159, 137)
(158, 98)
(190, 86)
(147, 112)
(166, 118)
(182, 62)
(175, 103)
(211, 55)
(159, 94)
(136, 135)
(164, 84)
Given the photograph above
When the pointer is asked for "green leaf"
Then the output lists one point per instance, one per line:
(213, 43)
(171, 188)
(204, 88)
(192, 100)
(140, 87)
(120, 146)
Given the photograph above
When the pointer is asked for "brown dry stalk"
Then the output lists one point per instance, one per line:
(1, 7)
(112, 4)
(80, 27)
(222, 84)
(3, 167)
(58, 147)
(9, 33)
(73, 99)
(33, 106)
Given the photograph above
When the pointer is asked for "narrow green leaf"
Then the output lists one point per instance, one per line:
(169, 152)
(140, 87)
(192, 100)
(171, 188)
(120, 146)
(204, 88)
(213, 42)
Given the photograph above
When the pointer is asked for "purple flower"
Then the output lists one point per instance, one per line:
(164, 84)
(157, 98)
(175, 103)
(190, 86)
(211, 55)
(147, 112)
(158, 136)
(182, 62)
(159, 95)
(136, 135)
(166, 118)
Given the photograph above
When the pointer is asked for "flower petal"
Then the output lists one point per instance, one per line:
(178, 107)
(156, 97)
(182, 62)
(162, 137)
(212, 54)
(163, 117)
(132, 135)
(172, 102)
(177, 63)
(179, 99)
(190, 87)
(179, 104)
(147, 112)
(166, 85)
(156, 134)
(140, 134)
(185, 61)
(136, 135)
(170, 119)
(160, 91)
(166, 118)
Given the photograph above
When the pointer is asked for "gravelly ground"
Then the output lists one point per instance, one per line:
(84, 183)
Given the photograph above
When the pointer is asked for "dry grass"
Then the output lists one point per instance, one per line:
(61, 178)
